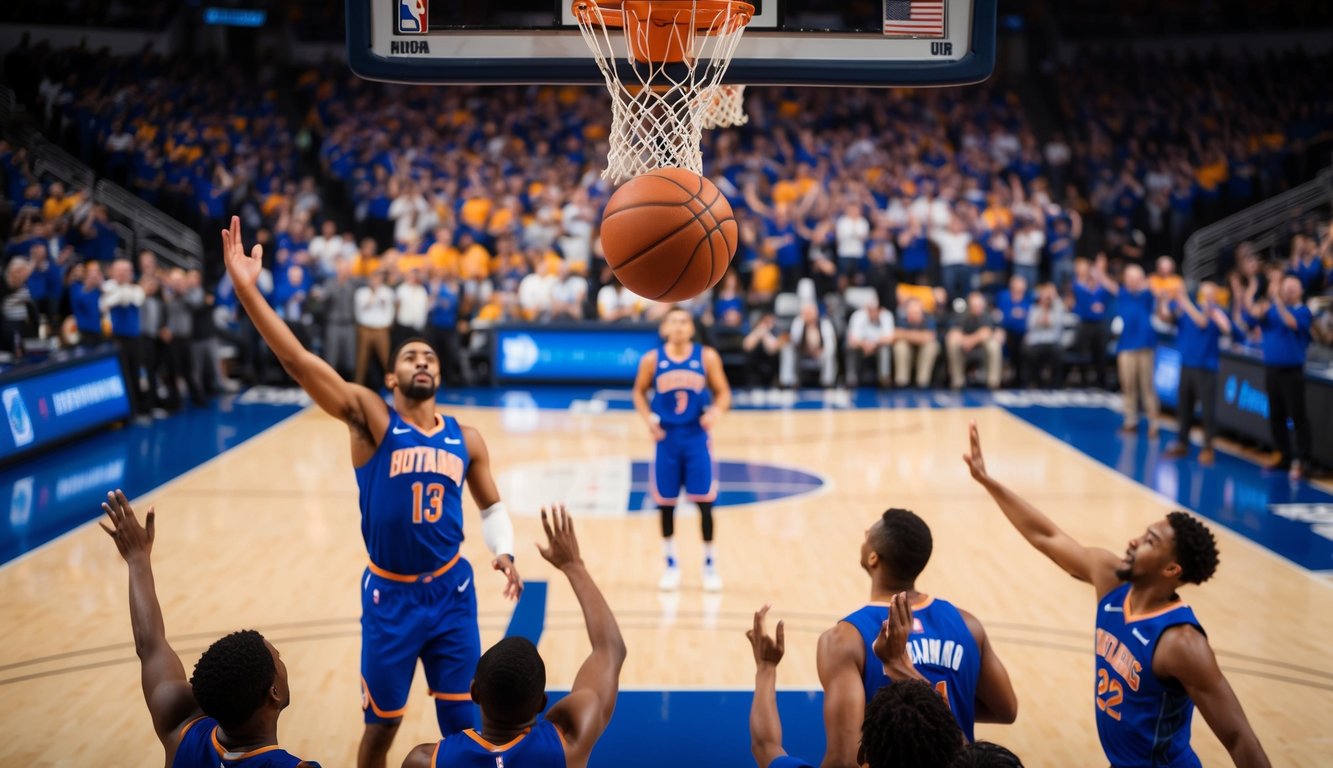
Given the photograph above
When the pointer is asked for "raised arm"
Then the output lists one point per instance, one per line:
(1184, 654)
(643, 384)
(765, 723)
(1091, 564)
(839, 659)
(165, 688)
(497, 529)
(583, 715)
(362, 410)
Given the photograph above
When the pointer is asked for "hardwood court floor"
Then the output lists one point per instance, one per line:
(267, 536)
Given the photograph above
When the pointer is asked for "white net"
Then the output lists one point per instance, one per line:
(660, 71)
(724, 107)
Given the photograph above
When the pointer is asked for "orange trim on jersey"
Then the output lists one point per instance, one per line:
(452, 696)
(495, 747)
(186, 728)
(388, 714)
(435, 754)
(563, 744)
(223, 752)
(391, 576)
(914, 606)
(439, 425)
(1130, 616)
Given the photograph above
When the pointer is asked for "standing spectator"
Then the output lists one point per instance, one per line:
(442, 326)
(882, 275)
(1092, 297)
(1134, 350)
(1164, 280)
(812, 338)
(1305, 264)
(615, 302)
(413, 306)
(339, 294)
(870, 338)
(974, 340)
(205, 350)
(762, 346)
(1285, 323)
(180, 300)
(1013, 306)
(1029, 239)
(852, 231)
(85, 294)
(1199, 331)
(374, 317)
(1043, 342)
(915, 338)
(953, 243)
(121, 299)
(98, 240)
(151, 316)
(46, 282)
(327, 247)
(18, 312)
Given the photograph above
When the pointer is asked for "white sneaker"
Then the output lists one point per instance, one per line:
(670, 581)
(712, 580)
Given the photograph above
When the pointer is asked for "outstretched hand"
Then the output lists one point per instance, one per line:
(767, 650)
(890, 644)
(562, 546)
(976, 463)
(244, 270)
(132, 539)
(513, 582)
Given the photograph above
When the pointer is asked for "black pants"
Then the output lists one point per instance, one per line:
(178, 363)
(1286, 400)
(131, 360)
(1015, 351)
(1197, 385)
(1045, 365)
(1090, 341)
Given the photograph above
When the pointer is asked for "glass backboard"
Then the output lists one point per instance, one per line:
(789, 42)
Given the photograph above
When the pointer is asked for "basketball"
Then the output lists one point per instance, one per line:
(669, 234)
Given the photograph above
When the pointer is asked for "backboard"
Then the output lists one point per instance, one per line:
(789, 42)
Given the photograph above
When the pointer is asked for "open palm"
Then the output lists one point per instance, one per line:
(244, 270)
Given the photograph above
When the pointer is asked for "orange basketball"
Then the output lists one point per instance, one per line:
(669, 234)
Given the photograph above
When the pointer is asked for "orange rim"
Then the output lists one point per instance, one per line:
(655, 24)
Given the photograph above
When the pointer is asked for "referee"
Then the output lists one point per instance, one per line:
(1199, 330)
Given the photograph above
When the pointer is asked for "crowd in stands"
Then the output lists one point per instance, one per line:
(900, 238)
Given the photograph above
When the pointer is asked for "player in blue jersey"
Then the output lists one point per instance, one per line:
(948, 646)
(226, 715)
(511, 681)
(906, 725)
(418, 600)
(1153, 661)
(690, 393)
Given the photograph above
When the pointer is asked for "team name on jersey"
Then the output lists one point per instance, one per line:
(420, 458)
(936, 652)
(680, 379)
(1120, 658)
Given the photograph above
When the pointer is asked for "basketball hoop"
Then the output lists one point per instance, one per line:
(724, 107)
(676, 51)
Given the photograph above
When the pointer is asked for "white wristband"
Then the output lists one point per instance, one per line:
(497, 529)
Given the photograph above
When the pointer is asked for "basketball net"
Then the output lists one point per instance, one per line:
(725, 107)
(675, 53)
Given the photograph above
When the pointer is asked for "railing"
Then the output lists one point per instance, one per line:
(1261, 224)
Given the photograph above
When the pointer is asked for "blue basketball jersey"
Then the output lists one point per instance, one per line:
(941, 647)
(199, 748)
(1142, 720)
(412, 496)
(540, 747)
(681, 387)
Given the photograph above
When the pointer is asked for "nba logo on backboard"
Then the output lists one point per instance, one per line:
(412, 16)
(16, 413)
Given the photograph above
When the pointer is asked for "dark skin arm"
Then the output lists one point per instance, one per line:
(996, 702)
(364, 413)
(765, 724)
(717, 382)
(165, 688)
(840, 657)
(1094, 565)
(583, 715)
(1183, 653)
(481, 484)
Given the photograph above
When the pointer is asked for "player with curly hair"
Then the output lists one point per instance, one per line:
(1154, 663)
(226, 714)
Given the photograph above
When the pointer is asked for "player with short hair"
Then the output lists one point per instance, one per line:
(1154, 663)
(227, 713)
(418, 599)
(948, 646)
(510, 685)
(691, 393)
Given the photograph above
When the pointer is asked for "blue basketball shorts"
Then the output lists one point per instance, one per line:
(684, 460)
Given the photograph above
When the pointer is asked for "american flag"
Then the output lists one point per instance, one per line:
(914, 18)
